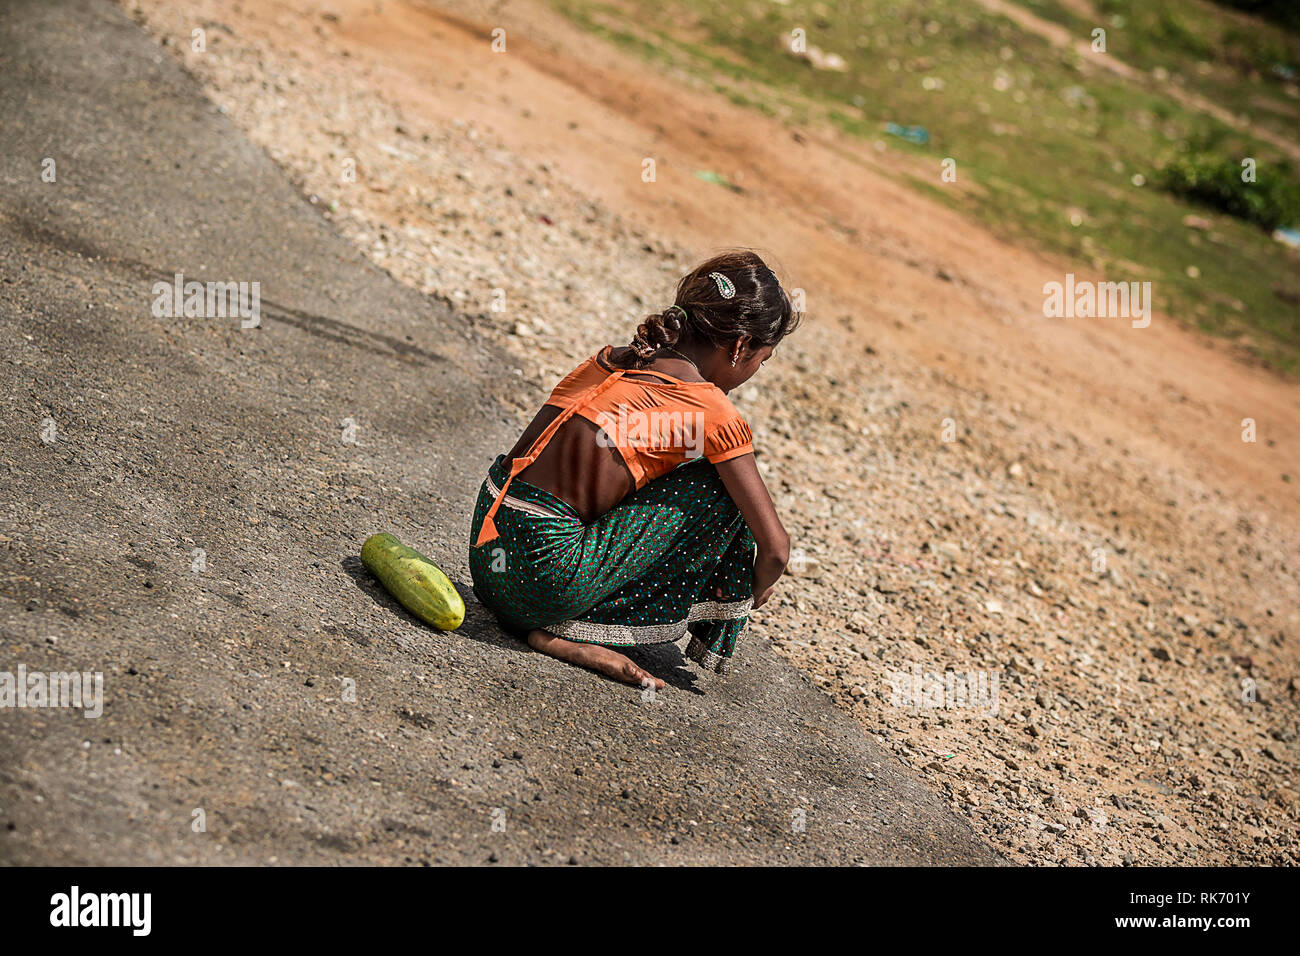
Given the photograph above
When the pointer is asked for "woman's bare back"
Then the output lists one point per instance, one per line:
(574, 466)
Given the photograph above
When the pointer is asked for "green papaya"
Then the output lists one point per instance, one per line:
(414, 580)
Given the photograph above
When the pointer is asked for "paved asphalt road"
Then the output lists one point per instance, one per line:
(224, 686)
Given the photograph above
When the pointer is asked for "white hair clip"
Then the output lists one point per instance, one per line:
(725, 288)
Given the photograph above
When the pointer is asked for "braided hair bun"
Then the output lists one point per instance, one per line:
(661, 330)
(730, 295)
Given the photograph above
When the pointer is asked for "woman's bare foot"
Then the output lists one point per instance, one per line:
(597, 658)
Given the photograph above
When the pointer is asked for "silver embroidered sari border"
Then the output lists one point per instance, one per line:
(699, 652)
(625, 635)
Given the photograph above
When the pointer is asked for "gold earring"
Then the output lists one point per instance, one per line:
(733, 360)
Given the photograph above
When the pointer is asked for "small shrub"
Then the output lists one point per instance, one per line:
(1272, 201)
(1283, 12)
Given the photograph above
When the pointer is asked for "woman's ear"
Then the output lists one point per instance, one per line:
(740, 348)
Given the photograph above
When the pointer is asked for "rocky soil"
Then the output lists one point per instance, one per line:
(1135, 613)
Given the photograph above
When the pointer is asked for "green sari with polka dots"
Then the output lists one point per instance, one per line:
(673, 558)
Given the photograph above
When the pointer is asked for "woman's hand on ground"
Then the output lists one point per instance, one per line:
(761, 597)
(772, 551)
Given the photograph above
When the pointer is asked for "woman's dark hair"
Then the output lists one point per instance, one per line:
(758, 308)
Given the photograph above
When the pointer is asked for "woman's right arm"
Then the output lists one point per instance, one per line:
(745, 485)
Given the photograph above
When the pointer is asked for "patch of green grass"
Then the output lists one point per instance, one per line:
(1238, 62)
(1064, 156)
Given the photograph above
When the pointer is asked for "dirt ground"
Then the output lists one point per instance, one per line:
(1067, 505)
(183, 503)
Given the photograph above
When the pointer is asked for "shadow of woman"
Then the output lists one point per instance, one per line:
(665, 661)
